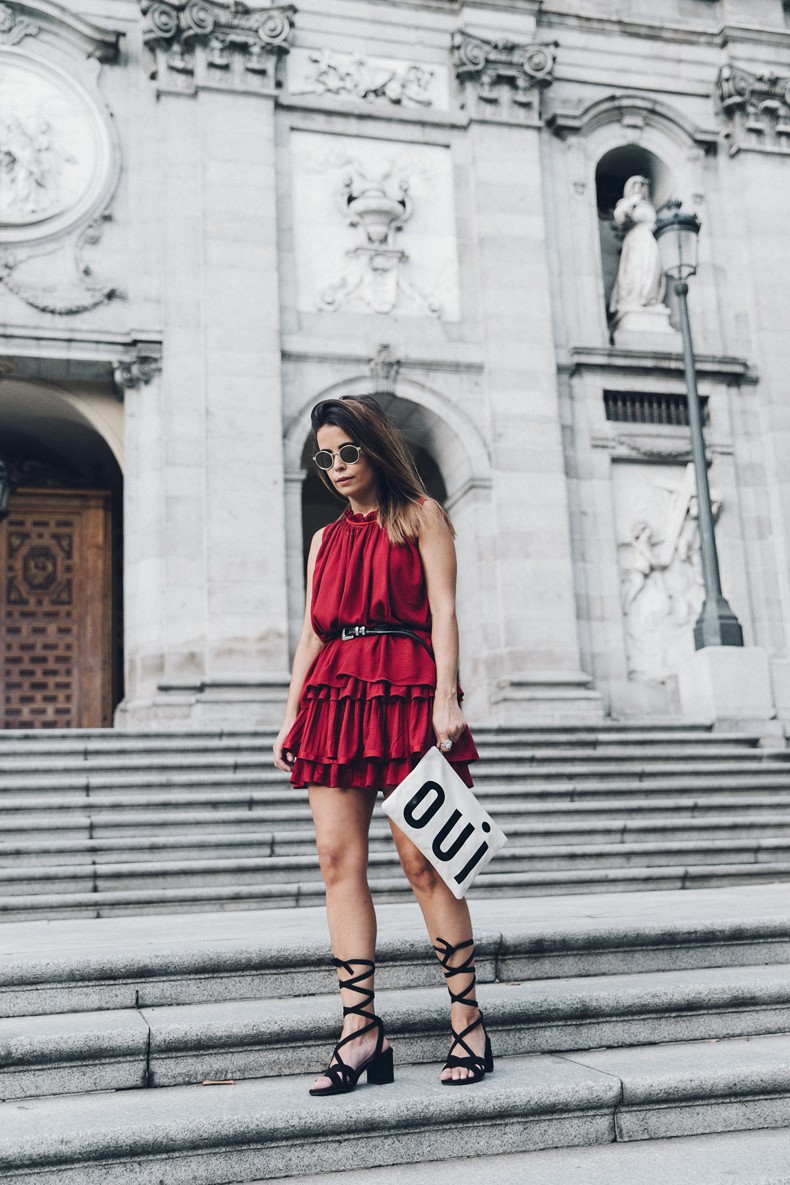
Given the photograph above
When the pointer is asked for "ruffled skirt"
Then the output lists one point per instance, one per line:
(365, 732)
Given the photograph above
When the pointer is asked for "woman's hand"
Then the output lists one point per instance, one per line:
(448, 720)
(283, 760)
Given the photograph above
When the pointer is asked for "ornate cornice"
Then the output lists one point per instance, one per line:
(758, 107)
(227, 46)
(502, 80)
(56, 24)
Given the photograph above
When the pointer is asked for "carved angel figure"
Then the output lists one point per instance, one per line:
(639, 282)
(31, 165)
(662, 585)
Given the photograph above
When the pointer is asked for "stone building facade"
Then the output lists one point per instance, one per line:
(213, 214)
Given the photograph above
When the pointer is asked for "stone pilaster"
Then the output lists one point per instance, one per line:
(219, 554)
(530, 661)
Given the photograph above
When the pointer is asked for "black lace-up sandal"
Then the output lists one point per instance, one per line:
(379, 1065)
(477, 1065)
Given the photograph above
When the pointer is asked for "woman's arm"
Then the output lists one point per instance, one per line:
(437, 552)
(306, 651)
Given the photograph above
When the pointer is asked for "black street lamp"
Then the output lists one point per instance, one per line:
(677, 234)
(7, 487)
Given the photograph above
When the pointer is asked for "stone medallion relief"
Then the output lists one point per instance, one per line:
(661, 582)
(375, 227)
(58, 169)
(47, 148)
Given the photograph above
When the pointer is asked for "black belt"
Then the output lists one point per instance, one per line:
(363, 631)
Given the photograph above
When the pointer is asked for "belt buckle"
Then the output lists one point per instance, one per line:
(351, 631)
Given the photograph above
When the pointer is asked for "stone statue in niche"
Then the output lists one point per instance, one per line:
(635, 302)
(662, 586)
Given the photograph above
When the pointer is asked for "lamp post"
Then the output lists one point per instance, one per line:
(677, 234)
(7, 487)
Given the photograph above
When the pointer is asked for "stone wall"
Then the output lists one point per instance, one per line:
(276, 194)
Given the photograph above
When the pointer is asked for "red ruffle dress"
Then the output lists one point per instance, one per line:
(366, 705)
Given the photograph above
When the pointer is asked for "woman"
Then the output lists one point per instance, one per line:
(362, 709)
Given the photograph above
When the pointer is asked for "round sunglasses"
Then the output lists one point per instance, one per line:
(348, 453)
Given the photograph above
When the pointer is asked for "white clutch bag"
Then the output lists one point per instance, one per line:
(441, 815)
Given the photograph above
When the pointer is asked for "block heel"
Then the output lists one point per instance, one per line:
(381, 1070)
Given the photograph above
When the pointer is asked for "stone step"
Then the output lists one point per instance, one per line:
(592, 816)
(132, 772)
(249, 842)
(72, 965)
(609, 731)
(756, 1157)
(272, 1127)
(264, 869)
(58, 803)
(16, 765)
(180, 1044)
(88, 902)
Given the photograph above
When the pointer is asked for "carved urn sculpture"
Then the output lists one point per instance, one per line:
(375, 211)
(379, 206)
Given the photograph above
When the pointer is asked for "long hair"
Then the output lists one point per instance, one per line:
(400, 487)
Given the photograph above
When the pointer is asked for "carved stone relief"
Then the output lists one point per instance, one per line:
(384, 368)
(136, 369)
(500, 79)
(661, 580)
(14, 28)
(230, 45)
(58, 171)
(356, 201)
(378, 81)
(758, 106)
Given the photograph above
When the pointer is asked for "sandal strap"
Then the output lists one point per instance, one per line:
(473, 1062)
(459, 1038)
(445, 952)
(354, 984)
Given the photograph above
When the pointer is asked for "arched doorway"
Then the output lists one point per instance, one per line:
(320, 507)
(453, 461)
(61, 612)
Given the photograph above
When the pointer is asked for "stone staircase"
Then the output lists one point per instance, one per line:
(100, 823)
(163, 1006)
(180, 1049)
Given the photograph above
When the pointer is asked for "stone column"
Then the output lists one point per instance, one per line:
(223, 613)
(533, 664)
(144, 507)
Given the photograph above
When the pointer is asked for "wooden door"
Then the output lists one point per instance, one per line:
(56, 610)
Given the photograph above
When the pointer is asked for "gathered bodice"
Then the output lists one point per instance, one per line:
(361, 578)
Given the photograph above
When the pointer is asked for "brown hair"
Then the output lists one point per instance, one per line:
(400, 487)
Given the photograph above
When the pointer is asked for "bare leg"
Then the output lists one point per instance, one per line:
(446, 917)
(342, 822)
